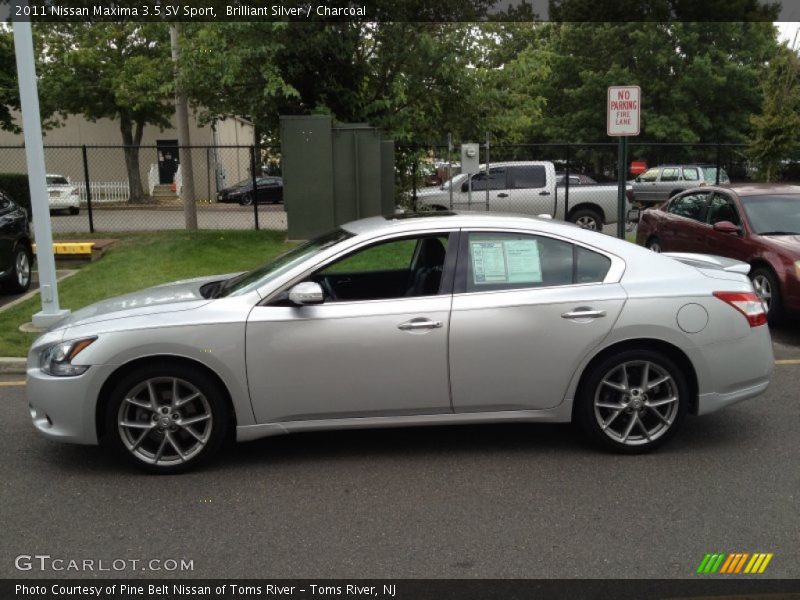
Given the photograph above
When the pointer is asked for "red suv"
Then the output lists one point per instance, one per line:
(757, 224)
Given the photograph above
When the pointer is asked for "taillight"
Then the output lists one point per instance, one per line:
(747, 303)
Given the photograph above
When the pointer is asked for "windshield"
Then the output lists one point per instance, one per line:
(257, 277)
(57, 180)
(774, 213)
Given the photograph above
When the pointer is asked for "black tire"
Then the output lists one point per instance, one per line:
(587, 218)
(18, 280)
(587, 415)
(654, 244)
(246, 200)
(74, 210)
(764, 280)
(161, 375)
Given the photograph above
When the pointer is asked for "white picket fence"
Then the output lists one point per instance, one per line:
(105, 191)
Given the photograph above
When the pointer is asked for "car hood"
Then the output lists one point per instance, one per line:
(168, 297)
(788, 244)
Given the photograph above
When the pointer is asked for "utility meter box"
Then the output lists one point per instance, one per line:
(333, 173)
(470, 158)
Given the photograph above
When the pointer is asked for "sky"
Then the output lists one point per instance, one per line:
(786, 31)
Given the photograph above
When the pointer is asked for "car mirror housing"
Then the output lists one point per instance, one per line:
(727, 227)
(307, 292)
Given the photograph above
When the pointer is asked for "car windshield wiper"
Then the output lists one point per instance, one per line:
(779, 233)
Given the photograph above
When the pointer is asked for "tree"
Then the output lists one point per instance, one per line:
(777, 128)
(119, 71)
(9, 91)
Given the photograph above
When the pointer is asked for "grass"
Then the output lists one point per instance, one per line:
(140, 260)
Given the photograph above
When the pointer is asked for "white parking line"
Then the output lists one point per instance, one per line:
(11, 383)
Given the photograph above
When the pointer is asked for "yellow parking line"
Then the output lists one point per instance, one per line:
(11, 383)
(788, 361)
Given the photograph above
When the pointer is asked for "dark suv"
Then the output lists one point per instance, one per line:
(16, 255)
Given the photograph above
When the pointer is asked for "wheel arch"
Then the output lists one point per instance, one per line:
(670, 350)
(103, 397)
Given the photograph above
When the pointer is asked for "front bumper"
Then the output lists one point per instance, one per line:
(64, 408)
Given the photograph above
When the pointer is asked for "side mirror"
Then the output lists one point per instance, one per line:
(307, 292)
(633, 215)
(727, 227)
(465, 186)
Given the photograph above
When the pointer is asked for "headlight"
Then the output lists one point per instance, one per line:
(797, 268)
(56, 359)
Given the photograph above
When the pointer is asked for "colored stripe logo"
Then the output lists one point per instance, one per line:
(734, 563)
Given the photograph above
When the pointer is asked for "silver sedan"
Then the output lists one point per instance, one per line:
(409, 320)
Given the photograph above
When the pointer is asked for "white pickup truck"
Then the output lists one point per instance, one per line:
(529, 187)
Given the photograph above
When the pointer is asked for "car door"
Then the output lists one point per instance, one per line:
(684, 227)
(721, 207)
(495, 181)
(8, 232)
(376, 347)
(645, 186)
(668, 182)
(528, 192)
(526, 310)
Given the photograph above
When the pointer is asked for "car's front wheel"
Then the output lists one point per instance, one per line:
(246, 200)
(633, 401)
(766, 286)
(166, 419)
(654, 244)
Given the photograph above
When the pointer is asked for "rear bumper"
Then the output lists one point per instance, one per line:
(737, 370)
(65, 202)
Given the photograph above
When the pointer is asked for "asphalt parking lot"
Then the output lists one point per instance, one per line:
(522, 501)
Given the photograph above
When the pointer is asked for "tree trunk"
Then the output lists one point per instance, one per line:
(132, 140)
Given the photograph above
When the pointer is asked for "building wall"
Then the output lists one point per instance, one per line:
(108, 164)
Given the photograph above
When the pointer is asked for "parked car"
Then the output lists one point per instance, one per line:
(440, 318)
(756, 224)
(16, 255)
(269, 189)
(62, 194)
(659, 184)
(527, 187)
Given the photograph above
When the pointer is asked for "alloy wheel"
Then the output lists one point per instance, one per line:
(763, 288)
(636, 402)
(22, 265)
(587, 222)
(165, 421)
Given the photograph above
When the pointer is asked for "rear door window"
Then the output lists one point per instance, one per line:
(531, 176)
(669, 174)
(691, 174)
(496, 180)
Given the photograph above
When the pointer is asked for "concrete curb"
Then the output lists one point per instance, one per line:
(10, 365)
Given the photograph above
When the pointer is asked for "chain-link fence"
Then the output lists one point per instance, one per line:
(585, 188)
(142, 188)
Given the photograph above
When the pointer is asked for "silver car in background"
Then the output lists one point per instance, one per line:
(409, 320)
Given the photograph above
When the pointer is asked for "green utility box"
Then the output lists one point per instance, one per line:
(333, 173)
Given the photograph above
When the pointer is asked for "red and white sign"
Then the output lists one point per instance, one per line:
(624, 103)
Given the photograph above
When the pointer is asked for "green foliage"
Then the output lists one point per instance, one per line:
(119, 71)
(16, 186)
(777, 128)
(9, 92)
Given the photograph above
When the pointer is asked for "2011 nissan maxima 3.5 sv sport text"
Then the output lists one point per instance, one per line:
(409, 320)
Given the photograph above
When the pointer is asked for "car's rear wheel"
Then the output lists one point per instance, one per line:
(246, 200)
(19, 278)
(633, 401)
(166, 419)
(766, 286)
(654, 244)
(587, 218)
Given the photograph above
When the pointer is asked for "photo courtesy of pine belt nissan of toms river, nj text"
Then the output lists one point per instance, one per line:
(441, 318)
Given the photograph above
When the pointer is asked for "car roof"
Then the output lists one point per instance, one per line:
(761, 189)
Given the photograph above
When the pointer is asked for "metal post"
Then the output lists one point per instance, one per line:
(414, 185)
(208, 174)
(450, 167)
(255, 183)
(566, 187)
(622, 180)
(488, 185)
(719, 161)
(34, 153)
(88, 189)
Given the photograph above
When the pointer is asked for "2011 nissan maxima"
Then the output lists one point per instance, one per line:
(409, 320)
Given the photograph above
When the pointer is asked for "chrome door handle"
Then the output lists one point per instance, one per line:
(584, 314)
(419, 324)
